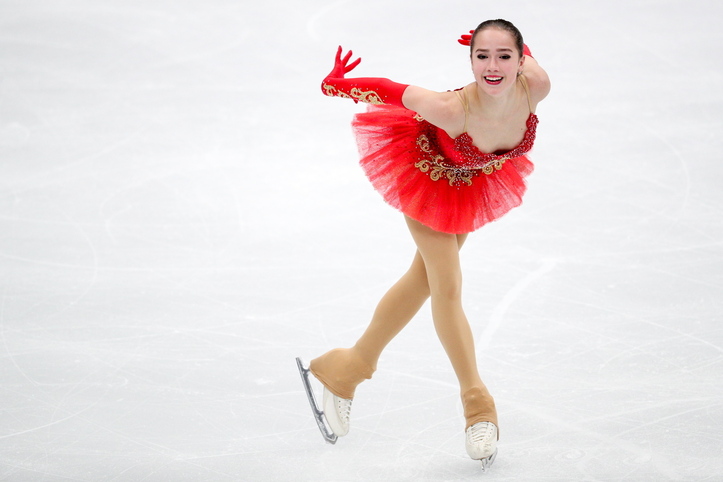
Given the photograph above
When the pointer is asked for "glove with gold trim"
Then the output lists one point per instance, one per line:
(371, 90)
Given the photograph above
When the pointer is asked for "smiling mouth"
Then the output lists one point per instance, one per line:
(493, 80)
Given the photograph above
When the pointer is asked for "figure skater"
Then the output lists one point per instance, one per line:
(450, 162)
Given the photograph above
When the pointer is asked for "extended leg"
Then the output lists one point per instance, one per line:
(444, 274)
(398, 307)
(341, 370)
(395, 310)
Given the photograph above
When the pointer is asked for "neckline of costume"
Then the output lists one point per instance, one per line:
(530, 124)
(529, 137)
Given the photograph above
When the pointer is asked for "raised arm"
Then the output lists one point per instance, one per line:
(537, 79)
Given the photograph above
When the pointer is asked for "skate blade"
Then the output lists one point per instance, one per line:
(326, 432)
(487, 462)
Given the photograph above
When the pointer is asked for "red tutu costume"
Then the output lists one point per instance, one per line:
(447, 184)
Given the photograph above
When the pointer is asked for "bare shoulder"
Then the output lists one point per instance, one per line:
(537, 79)
(442, 109)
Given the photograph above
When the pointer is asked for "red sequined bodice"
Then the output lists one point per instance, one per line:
(458, 160)
(473, 158)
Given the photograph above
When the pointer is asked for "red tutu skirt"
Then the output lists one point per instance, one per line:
(396, 145)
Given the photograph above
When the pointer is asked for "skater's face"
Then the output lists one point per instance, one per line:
(495, 60)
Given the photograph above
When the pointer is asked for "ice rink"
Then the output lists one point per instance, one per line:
(182, 214)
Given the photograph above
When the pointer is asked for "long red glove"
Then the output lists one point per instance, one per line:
(466, 40)
(371, 90)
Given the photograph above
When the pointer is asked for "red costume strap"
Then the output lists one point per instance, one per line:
(371, 90)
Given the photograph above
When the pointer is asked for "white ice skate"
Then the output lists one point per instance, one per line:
(336, 424)
(337, 412)
(482, 443)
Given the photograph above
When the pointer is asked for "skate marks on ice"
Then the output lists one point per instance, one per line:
(498, 313)
(152, 284)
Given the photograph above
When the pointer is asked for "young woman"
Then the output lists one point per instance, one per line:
(451, 162)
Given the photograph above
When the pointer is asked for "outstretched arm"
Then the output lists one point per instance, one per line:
(372, 90)
(438, 108)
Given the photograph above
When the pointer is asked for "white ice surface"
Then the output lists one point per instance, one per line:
(181, 214)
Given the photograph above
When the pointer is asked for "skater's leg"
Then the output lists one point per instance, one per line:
(397, 307)
(394, 311)
(444, 274)
(342, 369)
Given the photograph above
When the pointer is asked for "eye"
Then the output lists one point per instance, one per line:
(506, 57)
(481, 56)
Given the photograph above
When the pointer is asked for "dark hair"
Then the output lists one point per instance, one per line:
(501, 25)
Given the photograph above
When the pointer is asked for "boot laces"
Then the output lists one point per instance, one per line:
(343, 407)
(481, 433)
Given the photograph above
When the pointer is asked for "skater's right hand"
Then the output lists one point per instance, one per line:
(466, 39)
(342, 66)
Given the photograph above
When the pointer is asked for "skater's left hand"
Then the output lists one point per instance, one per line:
(342, 66)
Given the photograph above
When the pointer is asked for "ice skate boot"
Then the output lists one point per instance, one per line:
(481, 429)
(337, 411)
(339, 371)
(481, 443)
